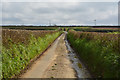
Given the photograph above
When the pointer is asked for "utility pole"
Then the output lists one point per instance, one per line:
(95, 21)
(119, 13)
(49, 23)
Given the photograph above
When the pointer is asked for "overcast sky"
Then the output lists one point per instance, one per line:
(59, 12)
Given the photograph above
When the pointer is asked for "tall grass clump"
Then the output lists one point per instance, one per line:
(17, 56)
(99, 51)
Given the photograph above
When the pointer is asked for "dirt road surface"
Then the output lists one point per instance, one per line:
(54, 63)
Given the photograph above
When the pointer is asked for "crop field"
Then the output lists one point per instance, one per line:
(97, 48)
(90, 29)
(22, 36)
(19, 47)
(30, 28)
(99, 51)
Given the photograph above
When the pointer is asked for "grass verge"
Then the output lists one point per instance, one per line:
(18, 56)
(101, 58)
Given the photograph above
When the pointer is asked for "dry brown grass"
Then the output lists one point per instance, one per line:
(107, 28)
(21, 36)
(102, 37)
(96, 35)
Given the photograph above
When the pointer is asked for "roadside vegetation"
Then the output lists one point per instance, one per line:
(100, 52)
(19, 47)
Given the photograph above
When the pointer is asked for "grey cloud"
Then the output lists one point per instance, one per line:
(60, 13)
